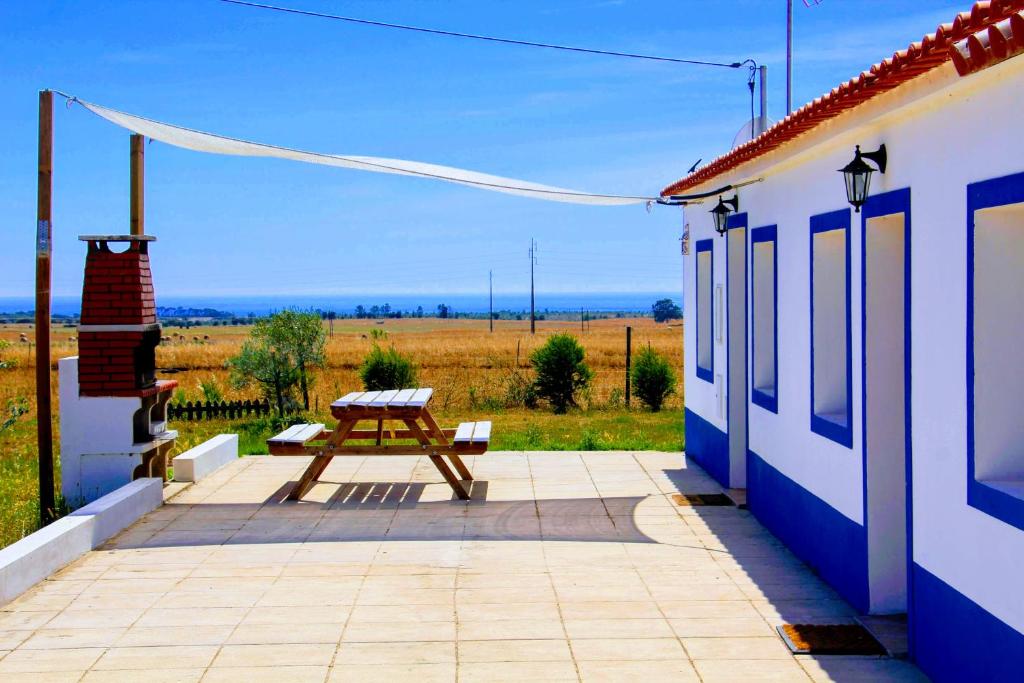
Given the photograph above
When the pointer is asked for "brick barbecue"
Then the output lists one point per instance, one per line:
(113, 408)
(119, 333)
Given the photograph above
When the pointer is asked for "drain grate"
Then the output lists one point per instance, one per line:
(830, 639)
(691, 499)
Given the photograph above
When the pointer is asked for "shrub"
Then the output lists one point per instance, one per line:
(561, 371)
(653, 378)
(387, 369)
(519, 391)
(211, 390)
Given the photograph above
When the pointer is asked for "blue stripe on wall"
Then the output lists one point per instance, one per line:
(833, 545)
(708, 446)
(955, 639)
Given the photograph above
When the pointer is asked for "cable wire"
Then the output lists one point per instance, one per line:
(474, 36)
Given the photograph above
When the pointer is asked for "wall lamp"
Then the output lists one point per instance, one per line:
(721, 212)
(857, 175)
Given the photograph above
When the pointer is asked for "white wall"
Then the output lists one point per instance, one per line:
(998, 334)
(762, 317)
(737, 394)
(942, 133)
(885, 443)
(829, 339)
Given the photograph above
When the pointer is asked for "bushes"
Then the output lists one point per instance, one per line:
(560, 370)
(653, 378)
(387, 369)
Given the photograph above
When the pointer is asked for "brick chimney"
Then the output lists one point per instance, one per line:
(118, 334)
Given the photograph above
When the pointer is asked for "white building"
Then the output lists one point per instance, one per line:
(859, 373)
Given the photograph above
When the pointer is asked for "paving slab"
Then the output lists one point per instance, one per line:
(565, 566)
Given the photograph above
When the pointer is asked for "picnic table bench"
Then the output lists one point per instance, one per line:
(408, 407)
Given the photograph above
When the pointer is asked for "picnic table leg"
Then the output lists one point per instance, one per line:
(320, 462)
(435, 430)
(449, 476)
(309, 477)
(438, 461)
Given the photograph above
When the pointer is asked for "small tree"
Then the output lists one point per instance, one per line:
(387, 369)
(654, 380)
(561, 371)
(261, 363)
(302, 337)
(666, 309)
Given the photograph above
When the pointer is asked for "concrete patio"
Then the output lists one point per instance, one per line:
(565, 566)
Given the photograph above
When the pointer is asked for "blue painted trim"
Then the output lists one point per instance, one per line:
(982, 195)
(768, 233)
(737, 220)
(841, 434)
(886, 204)
(833, 545)
(708, 446)
(957, 639)
(706, 374)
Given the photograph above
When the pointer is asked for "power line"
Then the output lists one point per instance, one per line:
(491, 39)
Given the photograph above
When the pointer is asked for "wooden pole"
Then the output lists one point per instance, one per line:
(490, 299)
(44, 240)
(629, 344)
(138, 184)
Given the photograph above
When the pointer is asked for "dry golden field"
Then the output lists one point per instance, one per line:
(468, 367)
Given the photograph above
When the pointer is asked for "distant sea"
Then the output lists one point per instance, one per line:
(596, 302)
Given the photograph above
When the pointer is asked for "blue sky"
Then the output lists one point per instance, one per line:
(241, 226)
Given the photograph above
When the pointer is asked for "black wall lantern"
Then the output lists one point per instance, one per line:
(857, 175)
(722, 211)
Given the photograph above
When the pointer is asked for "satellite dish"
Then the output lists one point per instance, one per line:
(743, 134)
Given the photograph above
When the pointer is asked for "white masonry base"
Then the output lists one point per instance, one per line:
(30, 560)
(98, 448)
(201, 461)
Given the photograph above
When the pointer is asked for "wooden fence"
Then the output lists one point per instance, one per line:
(214, 409)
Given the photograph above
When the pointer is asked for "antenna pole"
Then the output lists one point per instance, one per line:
(789, 56)
(764, 98)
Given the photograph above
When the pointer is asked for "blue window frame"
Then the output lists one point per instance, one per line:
(764, 334)
(830, 353)
(995, 367)
(704, 275)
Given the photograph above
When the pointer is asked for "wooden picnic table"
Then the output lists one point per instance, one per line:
(408, 408)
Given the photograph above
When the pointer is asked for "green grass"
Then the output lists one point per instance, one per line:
(513, 430)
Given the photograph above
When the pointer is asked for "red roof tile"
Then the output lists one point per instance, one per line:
(991, 32)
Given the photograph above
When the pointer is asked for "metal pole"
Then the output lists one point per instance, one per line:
(490, 298)
(629, 344)
(138, 184)
(764, 98)
(789, 56)
(44, 241)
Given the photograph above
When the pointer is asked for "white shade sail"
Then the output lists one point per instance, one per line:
(218, 144)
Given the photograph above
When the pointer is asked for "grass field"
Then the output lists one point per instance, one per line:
(470, 369)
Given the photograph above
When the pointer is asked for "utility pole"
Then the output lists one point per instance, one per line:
(490, 298)
(533, 262)
(629, 349)
(583, 317)
(44, 242)
(138, 184)
(789, 56)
